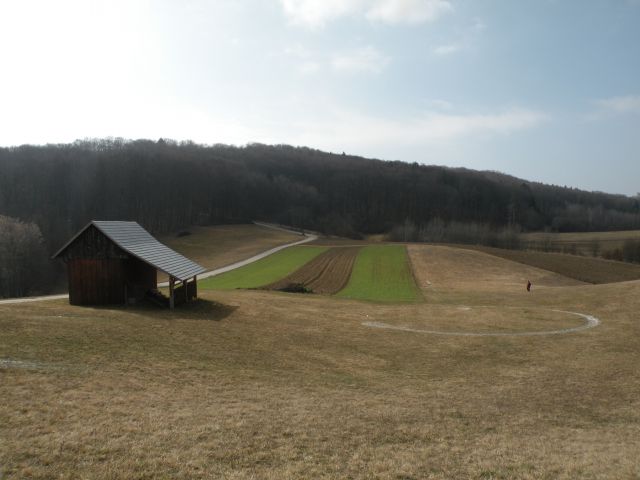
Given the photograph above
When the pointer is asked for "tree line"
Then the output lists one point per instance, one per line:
(167, 186)
(25, 268)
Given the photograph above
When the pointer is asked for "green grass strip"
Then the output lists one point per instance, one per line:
(382, 273)
(263, 272)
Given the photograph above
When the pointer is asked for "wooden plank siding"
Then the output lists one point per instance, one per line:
(117, 262)
(101, 273)
(93, 244)
(95, 281)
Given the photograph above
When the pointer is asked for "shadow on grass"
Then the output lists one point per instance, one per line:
(200, 309)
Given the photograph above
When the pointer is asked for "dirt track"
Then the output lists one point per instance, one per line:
(327, 274)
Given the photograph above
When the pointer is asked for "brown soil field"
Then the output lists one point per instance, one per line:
(585, 242)
(584, 269)
(326, 274)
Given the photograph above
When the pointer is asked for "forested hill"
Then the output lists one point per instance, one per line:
(166, 186)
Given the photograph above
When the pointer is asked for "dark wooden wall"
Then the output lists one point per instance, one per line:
(101, 273)
(96, 281)
(93, 244)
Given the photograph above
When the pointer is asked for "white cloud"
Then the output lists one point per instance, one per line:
(408, 11)
(316, 13)
(297, 50)
(352, 130)
(359, 60)
(443, 50)
(478, 26)
(309, 67)
(439, 104)
(625, 104)
(466, 40)
(366, 59)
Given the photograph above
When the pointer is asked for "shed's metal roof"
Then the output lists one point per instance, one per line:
(135, 240)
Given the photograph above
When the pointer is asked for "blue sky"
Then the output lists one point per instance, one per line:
(547, 90)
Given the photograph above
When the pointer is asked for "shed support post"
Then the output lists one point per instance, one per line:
(195, 287)
(171, 287)
(186, 290)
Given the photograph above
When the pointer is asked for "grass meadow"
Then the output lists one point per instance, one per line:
(264, 271)
(253, 384)
(382, 273)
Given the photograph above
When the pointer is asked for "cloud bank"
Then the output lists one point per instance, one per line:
(351, 129)
(624, 104)
(317, 13)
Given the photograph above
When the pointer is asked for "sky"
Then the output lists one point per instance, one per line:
(546, 90)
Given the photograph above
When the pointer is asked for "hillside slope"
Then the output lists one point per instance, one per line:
(220, 245)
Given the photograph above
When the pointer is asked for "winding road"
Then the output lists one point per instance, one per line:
(212, 273)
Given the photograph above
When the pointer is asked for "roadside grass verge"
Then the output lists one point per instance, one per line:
(382, 273)
(263, 272)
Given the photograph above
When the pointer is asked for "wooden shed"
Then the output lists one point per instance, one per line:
(116, 262)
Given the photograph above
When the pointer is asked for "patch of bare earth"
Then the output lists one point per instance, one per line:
(326, 274)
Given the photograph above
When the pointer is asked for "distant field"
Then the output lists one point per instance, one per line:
(382, 273)
(586, 243)
(265, 271)
(441, 271)
(585, 269)
(377, 273)
(218, 246)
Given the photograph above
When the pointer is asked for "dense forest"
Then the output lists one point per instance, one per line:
(54, 190)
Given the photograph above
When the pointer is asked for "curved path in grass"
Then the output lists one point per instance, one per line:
(590, 322)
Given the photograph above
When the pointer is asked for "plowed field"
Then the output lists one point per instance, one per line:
(327, 274)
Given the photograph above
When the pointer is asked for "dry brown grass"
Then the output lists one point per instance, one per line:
(584, 269)
(439, 268)
(274, 386)
(218, 246)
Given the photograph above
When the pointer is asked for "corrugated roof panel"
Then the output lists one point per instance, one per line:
(134, 239)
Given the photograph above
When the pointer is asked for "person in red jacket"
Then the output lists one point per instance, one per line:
(528, 285)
